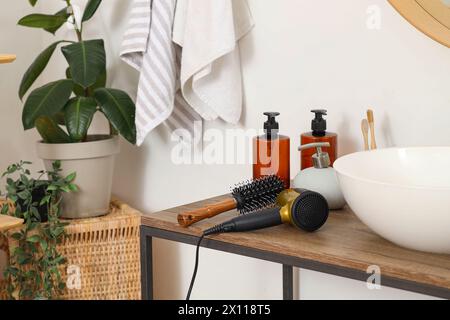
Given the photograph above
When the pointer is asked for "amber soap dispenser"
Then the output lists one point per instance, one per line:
(318, 134)
(271, 152)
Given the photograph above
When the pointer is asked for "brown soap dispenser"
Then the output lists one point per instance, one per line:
(318, 134)
(271, 152)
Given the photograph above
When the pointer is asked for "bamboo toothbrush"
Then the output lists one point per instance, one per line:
(370, 119)
(365, 132)
(7, 58)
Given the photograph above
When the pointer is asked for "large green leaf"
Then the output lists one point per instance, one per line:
(59, 118)
(80, 91)
(77, 89)
(78, 117)
(62, 13)
(36, 68)
(100, 83)
(46, 101)
(90, 10)
(50, 131)
(87, 61)
(44, 21)
(120, 111)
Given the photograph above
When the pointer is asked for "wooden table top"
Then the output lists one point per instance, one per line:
(343, 241)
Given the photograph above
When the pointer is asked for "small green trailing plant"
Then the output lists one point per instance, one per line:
(33, 270)
(73, 101)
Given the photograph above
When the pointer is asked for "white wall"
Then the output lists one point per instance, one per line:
(301, 54)
(15, 144)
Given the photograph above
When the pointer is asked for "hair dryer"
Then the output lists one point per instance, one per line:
(303, 209)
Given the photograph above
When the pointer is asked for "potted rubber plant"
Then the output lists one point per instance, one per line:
(62, 111)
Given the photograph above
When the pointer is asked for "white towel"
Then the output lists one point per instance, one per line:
(208, 68)
(147, 46)
(209, 31)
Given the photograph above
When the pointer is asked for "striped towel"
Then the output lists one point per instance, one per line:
(147, 46)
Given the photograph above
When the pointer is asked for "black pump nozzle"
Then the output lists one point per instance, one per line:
(319, 124)
(271, 126)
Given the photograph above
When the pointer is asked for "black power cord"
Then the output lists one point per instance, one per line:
(224, 227)
(194, 275)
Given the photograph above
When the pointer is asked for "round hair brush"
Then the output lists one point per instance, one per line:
(246, 197)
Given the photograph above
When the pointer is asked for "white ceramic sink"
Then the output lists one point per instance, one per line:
(403, 194)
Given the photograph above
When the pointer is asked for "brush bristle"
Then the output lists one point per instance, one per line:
(257, 194)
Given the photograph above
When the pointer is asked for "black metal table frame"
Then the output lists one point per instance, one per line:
(288, 263)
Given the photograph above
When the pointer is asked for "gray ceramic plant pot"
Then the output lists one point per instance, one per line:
(93, 161)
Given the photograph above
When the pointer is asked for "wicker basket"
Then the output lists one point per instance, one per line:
(3, 248)
(103, 254)
(3, 283)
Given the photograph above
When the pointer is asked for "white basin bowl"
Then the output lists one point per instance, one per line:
(402, 194)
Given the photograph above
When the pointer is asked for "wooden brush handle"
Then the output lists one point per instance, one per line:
(188, 218)
(373, 143)
(365, 132)
(371, 120)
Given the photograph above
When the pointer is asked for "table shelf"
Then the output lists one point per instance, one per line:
(344, 246)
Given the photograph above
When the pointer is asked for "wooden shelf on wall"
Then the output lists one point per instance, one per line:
(7, 222)
(7, 58)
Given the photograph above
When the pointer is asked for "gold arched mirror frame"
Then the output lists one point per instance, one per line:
(432, 17)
